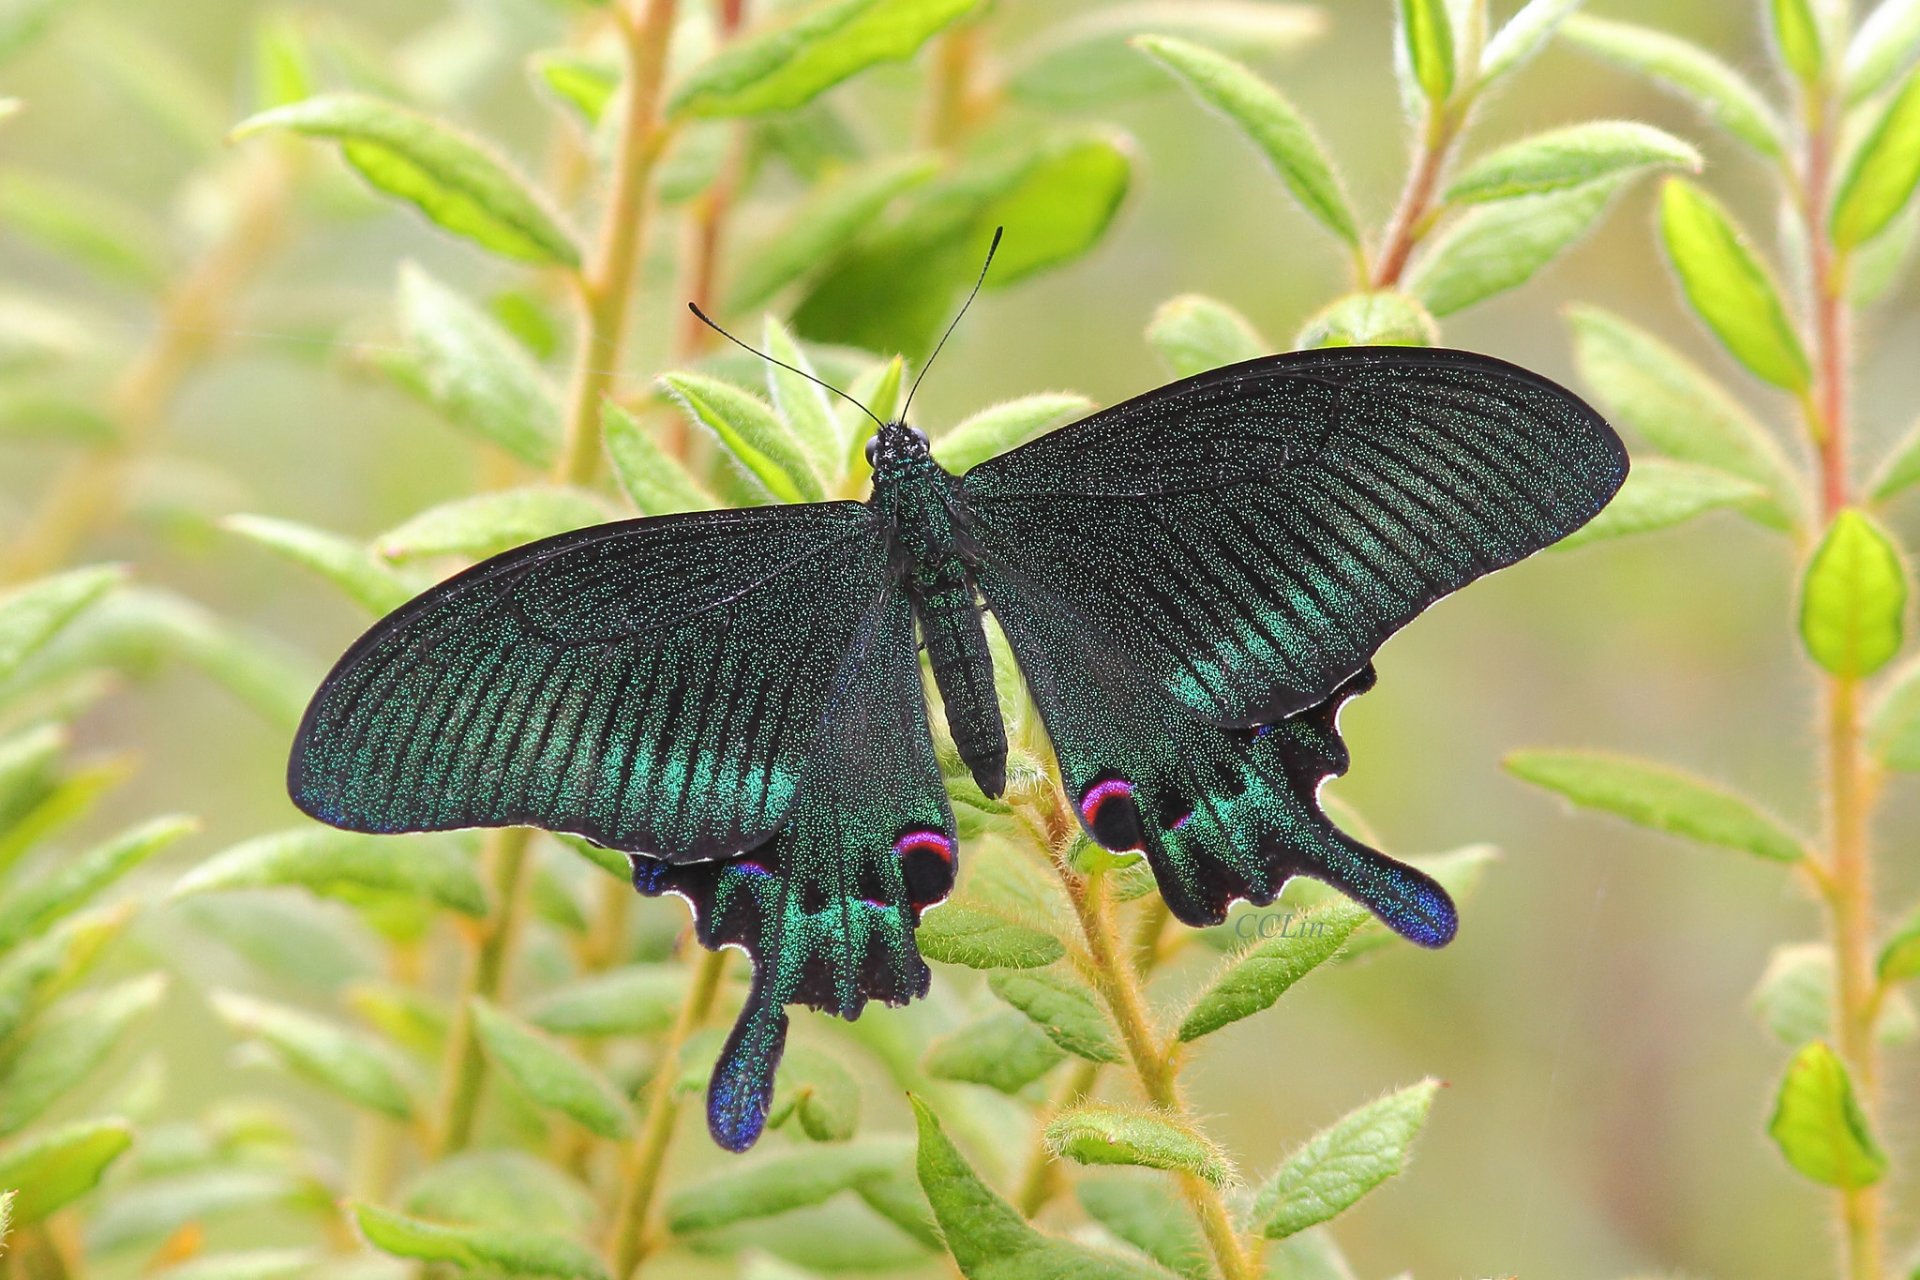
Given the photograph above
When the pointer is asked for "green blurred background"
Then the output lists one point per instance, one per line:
(1607, 1086)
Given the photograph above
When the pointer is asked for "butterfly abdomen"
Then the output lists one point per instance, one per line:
(963, 672)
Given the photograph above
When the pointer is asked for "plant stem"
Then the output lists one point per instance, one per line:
(700, 283)
(1413, 215)
(951, 96)
(628, 1244)
(506, 861)
(605, 285)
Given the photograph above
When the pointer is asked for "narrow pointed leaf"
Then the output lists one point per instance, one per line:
(1883, 46)
(1003, 1051)
(1269, 120)
(343, 1062)
(1496, 247)
(1342, 1162)
(52, 1168)
(1004, 426)
(769, 1185)
(1569, 157)
(1193, 334)
(1797, 39)
(453, 178)
(1150, 1220)
(476, 373)
(1524, 35)
(1426, 35)
(1062, 1008)
(33, 614)
(34, 974)
(1818, 1123)
(823, 224)
(1853, 599)
(1096, 1133)
(1658, 797)
(108, 238)
(1254, 980)
(637, 1000)
(751, 431)
(802, 405)
(29, 909)
(552, 1076)
(655, 482)
(1729, 287)
(1710, 85)
(477, 1250)
(491, 522)
(349, 565)
(1885, 168)
(343, 864)
(65, 1045)
(1659, 495)
(959, 933)
(580, 80)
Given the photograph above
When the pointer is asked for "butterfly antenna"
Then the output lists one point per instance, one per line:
(991, 249)
(707, 320)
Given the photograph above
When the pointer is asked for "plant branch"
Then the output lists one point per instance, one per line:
(506, 861)
(1414, 214)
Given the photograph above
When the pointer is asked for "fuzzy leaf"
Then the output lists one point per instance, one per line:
(828, 219)
(1194, 334)
(1085, 61)
(1003, 1051)
(154, 1208)
(65, 1044)
(1387, 318)
(1853, 599)
(491, 522)
(479, 1250)
(1426, 36)
(1061, 1007)
(1729, 287)
(655, 482)
(476, 373)
(1885, 168)
(958, 933)
(747, 427)
(1796, 38)
(791, 64)
(111, 239)
(29, 909)
(1146, 1217)
(802, 405)
(1270, 121)
(1882, 47)
(1258, 977)
(637, 1000)
(347, 564)
(582, 81)
(1658, 495)
(1659, 797)
(1342, 1162)
(33, 614)
(1710, 85)
(1524, 35)
(1569, 157)
(453, 178)
(770, 1185)
(343, 864)
(1500, 246)
(1794, 997)
(345, 1063)
(35, 973)
(815, 1090)
(1006, 425)
(1877, 266)
(52, 1168)
(1644, 383)
(501, 1187)
(552, 1075)
(1819, 1126)
(1096, 1133)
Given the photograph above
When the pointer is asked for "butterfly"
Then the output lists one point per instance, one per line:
(1192, 583)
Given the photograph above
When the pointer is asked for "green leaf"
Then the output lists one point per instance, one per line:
(1884, 170)
(1524, 35)
(1146, 1217)
(34, 414)
(1426, 34)
(815, 1090)
(1193, 334)
(655, 481)
(552, 1075)
(1884, 45)
(29, 909)
(1876, 266)
(1006, 425)
(1255, 979)
(51, 1169)
(1900, 956)
(500, 1188)
(1685, 69)
(959, 933)
(1647, 385)
(1656, 796)
(636, 1000)
(405, 1015)
(1900, 470)
(1853, 599)
(154, 1208)
(33, 974)
(822, 225)
(106, 237)
(1570, 157)
(491, 522)
(1500, 246)
(347, 564)
(343, 864)
(355, 1067)
(453, 178)
(747, 427)
(987, 1236)
(1893, 722)
(1342, 1162)
(1003, 1051)
(579, 79)
(66, 1043)
(1085, 61)
(33, 614)
(480, 1250)
(802, 404)
(1387, 318)
(1270, 121)
(1097, 1133)
(246, 1264)
(1729, 287)
(1794, 997)
(1797, 41)
(283, 65)
(1818, 1123)
(1659, 495)
(476, 373)
(1061, 1007)
(793, 63)
(767, 1186)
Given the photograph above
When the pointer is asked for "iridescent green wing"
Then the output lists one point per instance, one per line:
(828, 907)
(1249, 537)
(654, 685)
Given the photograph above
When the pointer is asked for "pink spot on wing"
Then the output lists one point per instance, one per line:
(932, 840)
(1101, 792)
(1183, 820)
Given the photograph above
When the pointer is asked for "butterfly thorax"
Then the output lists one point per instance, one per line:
(924, 512)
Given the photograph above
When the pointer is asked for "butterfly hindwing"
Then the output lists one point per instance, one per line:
(827, 908)
(654, 685)
(1250, 536)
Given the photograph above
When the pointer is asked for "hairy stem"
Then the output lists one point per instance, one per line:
(605, 285)
(628, 1243)
(1413, 215)
(506, 861)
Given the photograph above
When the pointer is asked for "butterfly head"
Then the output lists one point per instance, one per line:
(897, 449)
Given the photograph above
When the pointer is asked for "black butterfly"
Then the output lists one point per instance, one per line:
(1192, 583)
